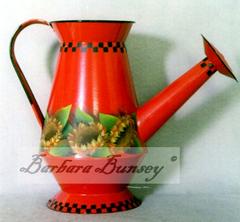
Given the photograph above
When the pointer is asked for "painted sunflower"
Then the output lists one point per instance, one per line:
(85, 138)
(52, 133)
(122, 133)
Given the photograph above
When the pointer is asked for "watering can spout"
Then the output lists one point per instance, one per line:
(155, 112)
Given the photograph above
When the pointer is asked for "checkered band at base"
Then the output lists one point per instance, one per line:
(93, 208)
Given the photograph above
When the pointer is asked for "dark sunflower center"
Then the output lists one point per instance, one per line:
(124, 137)
(50, 132)
(88, 135)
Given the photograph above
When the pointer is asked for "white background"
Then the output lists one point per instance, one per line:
(164, 42)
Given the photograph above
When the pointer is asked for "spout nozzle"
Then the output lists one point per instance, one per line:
(217, 59)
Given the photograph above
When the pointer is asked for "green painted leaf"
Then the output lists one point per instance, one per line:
(63, 114)
(61, 151)
(81, 116)
(68, 128)
(102, 152)
(137, 146)
(46, 118)
(136, 142)
(108, 121)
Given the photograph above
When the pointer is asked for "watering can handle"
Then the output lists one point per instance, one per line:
(25, 85)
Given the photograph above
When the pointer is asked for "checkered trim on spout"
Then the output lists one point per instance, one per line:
(211, 69)
(93, 46)
(93, 209)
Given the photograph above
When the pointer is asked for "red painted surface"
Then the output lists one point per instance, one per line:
(101, 82)
(154, 113)
(93, 81)
(94, 167)
(87, 191)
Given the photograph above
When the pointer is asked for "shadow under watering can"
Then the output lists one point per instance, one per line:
(93, 112)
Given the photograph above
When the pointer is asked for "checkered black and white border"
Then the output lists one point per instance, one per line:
(94, 46)
(93, 209)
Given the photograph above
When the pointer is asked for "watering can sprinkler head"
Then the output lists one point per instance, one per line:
(155, 112)
(217, 59)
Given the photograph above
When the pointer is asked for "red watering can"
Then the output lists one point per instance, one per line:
(93, 112)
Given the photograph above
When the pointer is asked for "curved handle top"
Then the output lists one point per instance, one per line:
(25, 85)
